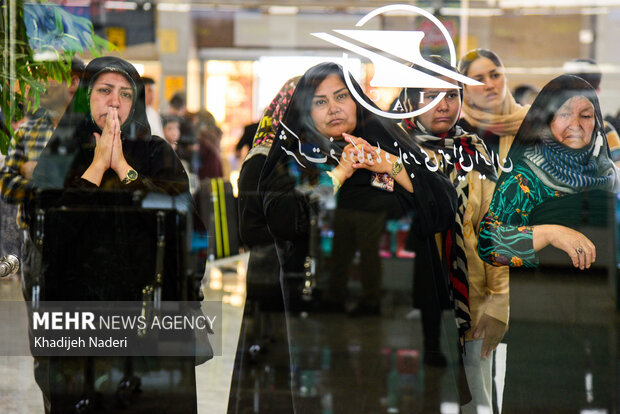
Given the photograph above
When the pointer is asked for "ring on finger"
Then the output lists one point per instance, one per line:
(579, 250)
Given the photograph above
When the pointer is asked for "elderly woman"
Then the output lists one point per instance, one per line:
(327, 143)
(560, 157)
(489, 110)
(482, 306)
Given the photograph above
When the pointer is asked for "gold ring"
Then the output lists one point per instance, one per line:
(579, 250)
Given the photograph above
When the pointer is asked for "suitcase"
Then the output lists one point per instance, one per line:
(217, 210)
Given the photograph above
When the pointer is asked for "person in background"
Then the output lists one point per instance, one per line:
(487, 307)
(152, 115)
(171, 130)
(10, 238)
(489, 110)
(245, 142)
(252, 222)
(22, 158)
(588, 70)
(172, 134)
(525, 94)
(210, 155)
(187, 146)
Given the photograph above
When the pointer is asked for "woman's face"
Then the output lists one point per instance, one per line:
(443, 116)
(111, 90)
(333, 110)
(573, 124)
(488, 97)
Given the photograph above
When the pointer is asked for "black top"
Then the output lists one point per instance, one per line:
(433, 202)
(70, 151)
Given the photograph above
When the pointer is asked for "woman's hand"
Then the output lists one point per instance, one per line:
(371, 158)
(117, 158)
(363, 155)
(580, 249)
(492, 330)
(103, 148)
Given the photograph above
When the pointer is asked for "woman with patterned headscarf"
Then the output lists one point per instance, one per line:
(479, 290)
(252, 224)
(562, 164)
(262, 277)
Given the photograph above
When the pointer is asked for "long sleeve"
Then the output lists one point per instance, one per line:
(29, 142)
(505, 237)
(285, 209)
(497, 278)
(435, 201)
(488, 285)
(252, 222)
(14, 186)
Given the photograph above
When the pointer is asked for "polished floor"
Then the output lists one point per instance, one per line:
(562, 353)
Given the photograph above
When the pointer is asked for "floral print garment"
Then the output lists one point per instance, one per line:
(505, 237)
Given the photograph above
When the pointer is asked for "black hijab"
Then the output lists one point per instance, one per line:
(297, 139)
(71, 148)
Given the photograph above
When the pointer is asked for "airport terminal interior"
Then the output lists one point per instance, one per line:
(561, 351)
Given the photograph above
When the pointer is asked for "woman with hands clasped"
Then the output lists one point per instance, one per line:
(101, 158)
(327, 134)
(109, 149)
(562, 164)
(479, 290)
(321, 149)
(104, 139)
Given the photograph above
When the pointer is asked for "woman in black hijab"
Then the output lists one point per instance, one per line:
(329, 144)
(562, 177)
(103, 142)
(308, 149)
(104, 139)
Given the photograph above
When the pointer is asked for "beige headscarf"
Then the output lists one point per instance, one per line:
(505, 124)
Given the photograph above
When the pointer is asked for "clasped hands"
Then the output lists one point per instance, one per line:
(108, 151)
(360, 154)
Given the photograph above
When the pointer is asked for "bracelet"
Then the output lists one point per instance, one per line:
(396, 168)
(335, 181)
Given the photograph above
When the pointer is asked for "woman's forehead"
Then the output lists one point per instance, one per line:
(113, 78)
(483, 64)
(331, 81)
(577, 102)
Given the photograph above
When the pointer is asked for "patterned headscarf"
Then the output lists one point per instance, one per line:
(462, 152)
(274, 113)
(558, 166)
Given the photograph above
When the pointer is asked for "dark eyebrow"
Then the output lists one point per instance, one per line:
(112, 86)
(340, 90)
